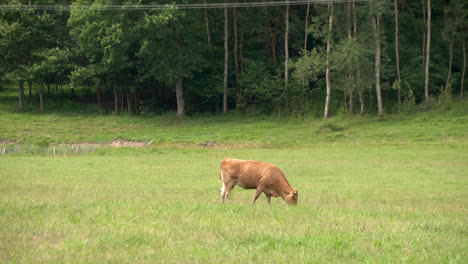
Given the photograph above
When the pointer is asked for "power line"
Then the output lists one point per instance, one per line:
(172, 6)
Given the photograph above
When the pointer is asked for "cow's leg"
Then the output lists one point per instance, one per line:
(227, 190)
(268, 198)
(223, 192)
(257, 194)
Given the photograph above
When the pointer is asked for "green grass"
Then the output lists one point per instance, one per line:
(75, 124)
(358, 204)
(392, 191)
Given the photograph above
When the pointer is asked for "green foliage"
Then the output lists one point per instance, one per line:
(142, 50)
(22, 35)
(445, 101)
(309, 66)
(104, 39)
(260, 88)
(408, 99)
(172, 51)
(42, 143)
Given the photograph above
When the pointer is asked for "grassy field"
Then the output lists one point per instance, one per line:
(69, 123)
(369, 192)
(357, 204)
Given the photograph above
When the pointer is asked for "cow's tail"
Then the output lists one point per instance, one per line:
(223, 187)
(221, 172)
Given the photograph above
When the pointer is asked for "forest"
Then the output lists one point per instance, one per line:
(316, 58)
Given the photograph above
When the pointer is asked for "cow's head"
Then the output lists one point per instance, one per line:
(292, 197)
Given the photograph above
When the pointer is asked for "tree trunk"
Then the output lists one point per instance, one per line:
(424, 34)
(129, 103)
(236, 58)
(306, 26)
(272, 36)
(98, 94)
(48, 89)
(327, 74)
(153, 96)
(116, 100)
(353, 82)
(428, 52)
(446, 22)
(180, 98)
(273, 48)
(376, 25)
(345, 102)
(21, 94)
(41, 97)
(241, 65)
(447, 84)
(463, 71)
(207, 22)
(226, 59)
(122, 95)
(358, 71)
(371, 99)
(397, 52)
(135, 102)
(30, 90)
(286, 56)
(235, 50)
(361, 102)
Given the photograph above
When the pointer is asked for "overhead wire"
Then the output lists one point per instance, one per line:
(174, 6)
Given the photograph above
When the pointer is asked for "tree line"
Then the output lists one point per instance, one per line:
(352, 57)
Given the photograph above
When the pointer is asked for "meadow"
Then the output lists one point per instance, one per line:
(393, 191)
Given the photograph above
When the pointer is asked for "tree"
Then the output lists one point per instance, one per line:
(351, 91)
(397, 50)
(53, 64)
(463, 71)
(176, 54)
(172, 53)
(376, 25)
(428, 53)
(207, 23)
(235, 49)
(103, 40)
(358, 64)
(23, 33)
(286, 52)
(226, 59)
(376, 11)
(327, 64)
(306, 31)
(454, 31)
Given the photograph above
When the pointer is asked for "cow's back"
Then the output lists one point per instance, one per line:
(248, 174)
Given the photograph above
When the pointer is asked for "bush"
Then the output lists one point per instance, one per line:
(408, 101)
(444, 101)
(42, 143)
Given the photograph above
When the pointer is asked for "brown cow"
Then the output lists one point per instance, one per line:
(251, 174)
